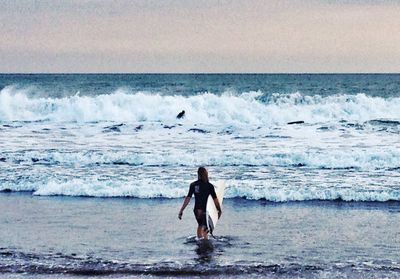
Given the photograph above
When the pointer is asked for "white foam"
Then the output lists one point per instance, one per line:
(144, 188)
(286, 193)
(252, 190)
(58, 158)
(373, 158)
(226, 109)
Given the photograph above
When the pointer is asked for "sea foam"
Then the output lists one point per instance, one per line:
(249, 108)
(149, 188)
(328, 159)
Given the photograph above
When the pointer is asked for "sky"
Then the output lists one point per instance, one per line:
(199, 36)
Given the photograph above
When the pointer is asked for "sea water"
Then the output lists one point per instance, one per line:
(320, 197)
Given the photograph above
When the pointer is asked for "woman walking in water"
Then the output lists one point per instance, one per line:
(201, 188)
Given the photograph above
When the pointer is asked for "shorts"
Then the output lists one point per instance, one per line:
(200, 215)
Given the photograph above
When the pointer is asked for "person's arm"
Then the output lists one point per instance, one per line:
(218, 206)
(185, 203)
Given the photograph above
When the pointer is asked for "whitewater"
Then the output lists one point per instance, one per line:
(94, 168)
(71, 138)
(227, 109)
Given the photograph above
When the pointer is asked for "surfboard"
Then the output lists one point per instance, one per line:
(211, 210)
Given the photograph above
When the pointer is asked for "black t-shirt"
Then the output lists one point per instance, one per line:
(201, 190)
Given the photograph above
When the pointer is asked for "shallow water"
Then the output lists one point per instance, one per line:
(92, 236)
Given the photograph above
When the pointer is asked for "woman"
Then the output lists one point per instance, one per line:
(201, 189)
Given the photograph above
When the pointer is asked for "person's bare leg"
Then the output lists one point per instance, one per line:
(204, 232)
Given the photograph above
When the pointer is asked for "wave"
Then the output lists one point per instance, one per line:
(148, 188)
(371, 159)
(248, 108)
(313, 193)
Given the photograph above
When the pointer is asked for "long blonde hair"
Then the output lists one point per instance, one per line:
(202, 174)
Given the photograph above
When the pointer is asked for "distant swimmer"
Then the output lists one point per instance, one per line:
(181, 114)
(201, 189)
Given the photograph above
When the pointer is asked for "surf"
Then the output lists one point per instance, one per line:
(254, 108)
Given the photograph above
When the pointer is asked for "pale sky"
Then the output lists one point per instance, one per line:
(271, 36)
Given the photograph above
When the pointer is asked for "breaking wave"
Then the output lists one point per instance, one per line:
(371, 159)
(252, 190)
(250, 108)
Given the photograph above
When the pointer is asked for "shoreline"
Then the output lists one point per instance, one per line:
(240, 201)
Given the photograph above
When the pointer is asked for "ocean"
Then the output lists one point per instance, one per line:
(94, 168)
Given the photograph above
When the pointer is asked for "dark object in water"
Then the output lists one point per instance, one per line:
(181, 114)
(113, 128)
(197, 130)
(138, 128)
(168, 127)
(295, 122)
(388, 122)
(6, 190)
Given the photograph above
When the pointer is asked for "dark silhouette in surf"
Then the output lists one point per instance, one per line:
(181, 114)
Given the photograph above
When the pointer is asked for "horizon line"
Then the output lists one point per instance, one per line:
(199, 73)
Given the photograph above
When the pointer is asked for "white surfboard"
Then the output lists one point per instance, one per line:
(211, 210)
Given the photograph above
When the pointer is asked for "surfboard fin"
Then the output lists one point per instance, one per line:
(210, 225)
